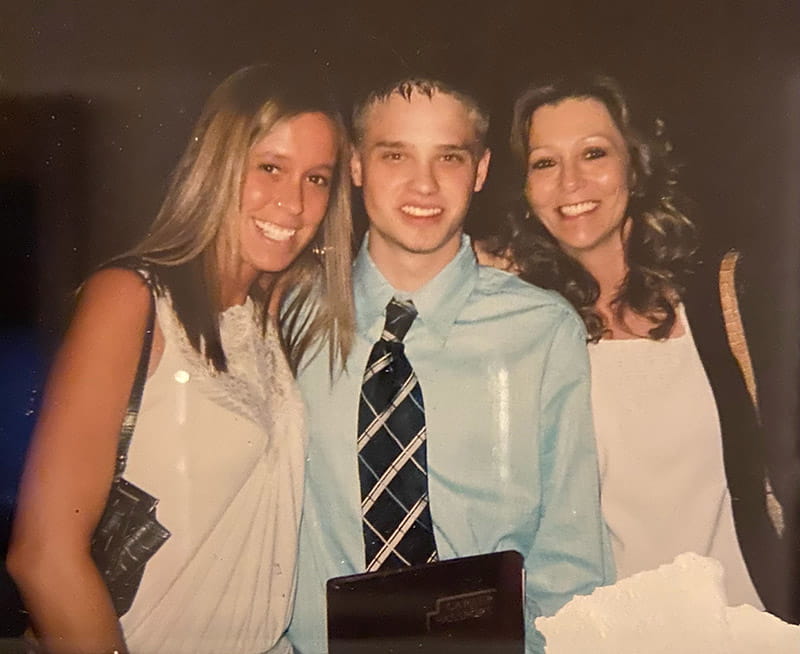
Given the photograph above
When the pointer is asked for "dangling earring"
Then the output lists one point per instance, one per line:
(320, 251)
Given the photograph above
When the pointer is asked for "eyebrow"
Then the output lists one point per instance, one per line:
(445, 147)
(269, 153)
(596, 135)
(461, 147)
(284, 157)
(390, 144)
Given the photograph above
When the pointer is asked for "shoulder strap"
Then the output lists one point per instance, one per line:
(135, 400)
(738, 345)
(733, 322)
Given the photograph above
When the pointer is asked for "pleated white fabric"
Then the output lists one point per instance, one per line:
(224, 455)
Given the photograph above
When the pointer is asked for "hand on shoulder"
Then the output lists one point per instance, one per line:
(488, 258)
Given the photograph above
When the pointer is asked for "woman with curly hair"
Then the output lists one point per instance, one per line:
(680, 452)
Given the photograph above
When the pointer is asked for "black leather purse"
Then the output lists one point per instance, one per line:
(128, 533)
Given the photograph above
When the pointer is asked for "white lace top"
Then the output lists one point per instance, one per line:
(662, 475)
(224, 454)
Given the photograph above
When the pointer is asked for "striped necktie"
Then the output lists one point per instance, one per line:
(392, 456)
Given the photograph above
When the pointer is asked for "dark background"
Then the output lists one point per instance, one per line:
(98, 97)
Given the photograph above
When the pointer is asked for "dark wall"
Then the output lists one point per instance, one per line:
(135, 74)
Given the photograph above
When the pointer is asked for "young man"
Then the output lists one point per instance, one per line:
(495, 385)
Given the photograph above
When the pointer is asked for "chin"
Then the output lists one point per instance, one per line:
(279, 266)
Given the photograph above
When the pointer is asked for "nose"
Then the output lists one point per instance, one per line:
(571, 175)
(290, 197)
(424, 178)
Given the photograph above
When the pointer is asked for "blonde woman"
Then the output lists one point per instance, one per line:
(257, 198)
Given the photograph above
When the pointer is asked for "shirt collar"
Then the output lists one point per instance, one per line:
(438, 303)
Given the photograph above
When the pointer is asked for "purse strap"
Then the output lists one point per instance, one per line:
(738, 344)
(135, 400)
(733, 322)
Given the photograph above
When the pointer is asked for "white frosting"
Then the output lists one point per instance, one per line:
(757, 631)
(678, 607)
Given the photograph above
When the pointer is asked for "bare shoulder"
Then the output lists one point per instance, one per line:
(107, 328)
(92, 374)
(114, 299)
(118, 287)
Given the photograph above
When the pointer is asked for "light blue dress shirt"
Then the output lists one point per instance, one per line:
(504, 373)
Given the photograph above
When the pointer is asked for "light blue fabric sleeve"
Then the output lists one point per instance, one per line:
(571, 552)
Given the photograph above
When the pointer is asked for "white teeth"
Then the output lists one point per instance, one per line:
(275, 232)
(421, 212)
(579, 208)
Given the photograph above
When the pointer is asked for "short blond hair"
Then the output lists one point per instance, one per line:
(405, 88)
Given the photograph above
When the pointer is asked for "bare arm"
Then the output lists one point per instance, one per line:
(70, 466)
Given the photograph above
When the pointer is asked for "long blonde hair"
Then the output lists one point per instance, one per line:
(191, 236)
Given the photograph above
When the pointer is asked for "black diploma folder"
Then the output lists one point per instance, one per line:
(468, 605)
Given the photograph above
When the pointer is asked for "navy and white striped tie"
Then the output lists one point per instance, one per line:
(392, 455)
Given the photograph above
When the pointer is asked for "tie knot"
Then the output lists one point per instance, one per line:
(399, 316)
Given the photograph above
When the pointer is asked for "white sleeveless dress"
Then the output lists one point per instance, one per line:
(659, 444)
(224, 453)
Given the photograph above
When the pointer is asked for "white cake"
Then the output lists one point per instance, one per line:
(679, 607)
(757, 631)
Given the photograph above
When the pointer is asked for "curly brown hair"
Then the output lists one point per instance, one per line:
(661, 242)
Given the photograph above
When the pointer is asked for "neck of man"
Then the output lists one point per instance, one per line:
(409, 271)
